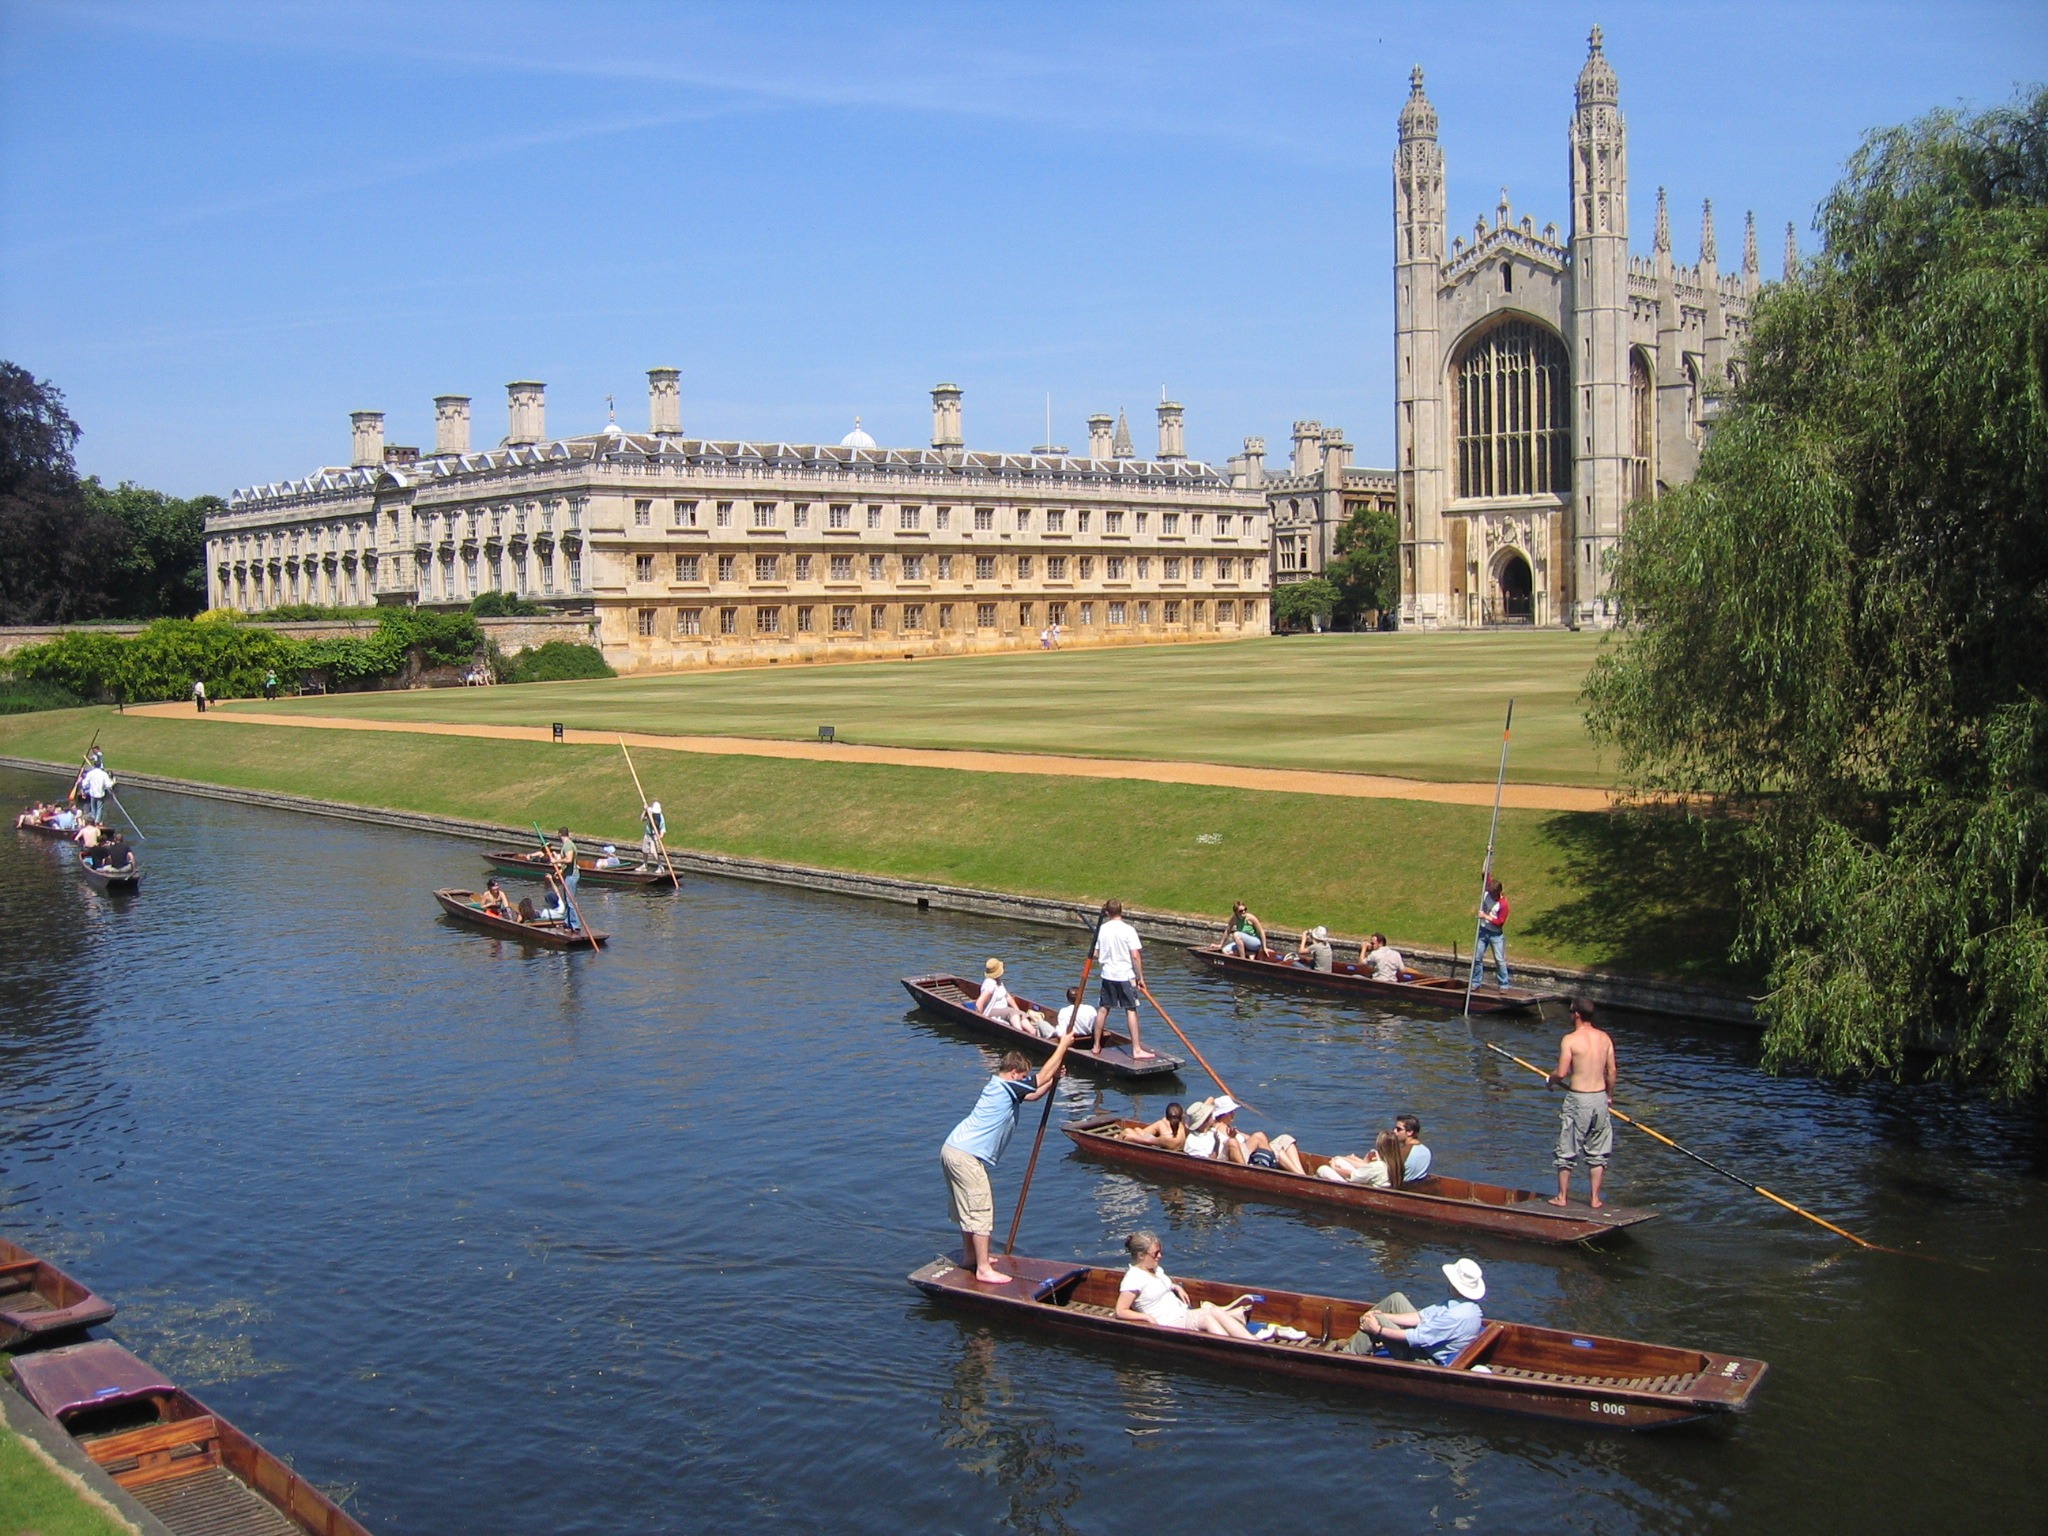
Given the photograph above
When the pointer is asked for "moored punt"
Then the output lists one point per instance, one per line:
(38, 1301)
(1439, 1201)
(1547, 1372)
(535, 864)
(1352, 980)
(181, 1461)
(128, 877)
(953, 997)
(467, 907)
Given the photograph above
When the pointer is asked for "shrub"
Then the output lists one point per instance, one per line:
(504, 605)
(558, 661)
(21, 696)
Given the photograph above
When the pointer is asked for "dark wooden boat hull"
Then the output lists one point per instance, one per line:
(1459, 1203)
(181, 1461)
(1542, 1372)
(40, 1302)
(533, 866)
(1348, 981)
(41, 829)
(952, 997)
(108, 880)
(548, 935)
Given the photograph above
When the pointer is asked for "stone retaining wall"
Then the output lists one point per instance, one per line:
(1637, 994)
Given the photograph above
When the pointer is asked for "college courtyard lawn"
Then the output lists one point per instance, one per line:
(1419, 706)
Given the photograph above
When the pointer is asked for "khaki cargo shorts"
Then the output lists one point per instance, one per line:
(974, 1203)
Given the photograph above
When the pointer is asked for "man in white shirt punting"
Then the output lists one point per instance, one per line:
(1122, 955)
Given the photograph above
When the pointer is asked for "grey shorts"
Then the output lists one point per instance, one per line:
(1118, 994)
(1584, 1125)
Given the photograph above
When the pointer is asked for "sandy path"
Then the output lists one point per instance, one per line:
(1292, 781)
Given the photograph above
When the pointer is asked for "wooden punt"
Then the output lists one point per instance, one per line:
(1351, 980)
(534, 865)
(180, 1460)
(38, 1301)
(952, 997)
(1546, 1372)
(44, 829)
(464, 906)
(127, 878)
(1436, 1200)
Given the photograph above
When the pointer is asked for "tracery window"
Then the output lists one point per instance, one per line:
(1514, 413)
(1642, 427)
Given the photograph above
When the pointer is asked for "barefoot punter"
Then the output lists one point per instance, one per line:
(977, 1144)
(1585, 1070)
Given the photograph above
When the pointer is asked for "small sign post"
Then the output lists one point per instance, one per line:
(558, 730)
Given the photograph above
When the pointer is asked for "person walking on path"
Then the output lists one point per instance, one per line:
(1585, 1070)
(199, 694)
(1493, 922)
(976, 1146)
(1122, 955)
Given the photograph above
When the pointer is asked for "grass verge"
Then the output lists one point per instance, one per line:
(1648, 896)
(35, 1501)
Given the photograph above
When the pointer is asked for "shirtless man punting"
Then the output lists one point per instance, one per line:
(1585, 1070)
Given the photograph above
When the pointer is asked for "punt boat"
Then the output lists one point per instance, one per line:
(1435, 1200)
(952, 997)
(127, 878)
(1352, 980)
(38, 1301)
(181, 1461)
(1549, 1373)
(43, 829)
(467, 906)
(534, 863)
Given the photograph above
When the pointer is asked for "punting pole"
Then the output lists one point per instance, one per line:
(1486, 870)
(568, 890)
(1184, 1040)
(1860, 1242)
(126, 817)
(667, 863)
(1101, 1024)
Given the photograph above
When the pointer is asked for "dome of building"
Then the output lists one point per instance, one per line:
(857, 438)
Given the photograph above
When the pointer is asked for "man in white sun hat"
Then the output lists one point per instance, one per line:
(1435, 1334)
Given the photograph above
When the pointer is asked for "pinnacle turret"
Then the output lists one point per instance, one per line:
(1121, 447)
(1596, 81)
(1791, 254)
(1418, 117)
(1710, 257)
(1661, 241)
(1749, 267)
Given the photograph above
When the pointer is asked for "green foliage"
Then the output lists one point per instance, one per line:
(1298, 604)
(558, 661)
(504, 605)
(161, 572)
(21, 696)
(57, 554)
(1366, 568)
(1841, 626)
(313, 613)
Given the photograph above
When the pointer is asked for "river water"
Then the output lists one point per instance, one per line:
(510, 1242)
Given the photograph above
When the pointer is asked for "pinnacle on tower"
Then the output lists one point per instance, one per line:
(1791, 254)
(1709, 256)
(1596, 80)
(1749, 246)
(1418, 117)
(1121, 447)
(1662, 240)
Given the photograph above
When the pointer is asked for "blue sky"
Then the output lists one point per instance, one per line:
(223, 227)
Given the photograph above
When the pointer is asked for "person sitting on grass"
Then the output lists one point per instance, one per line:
(1252, 1149)
(1384, 1167)
(1170, 1130)
(1244, 934)
(1149, 1295)
(1434, 1335)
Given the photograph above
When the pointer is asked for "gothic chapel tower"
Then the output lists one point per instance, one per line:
(1600, 330)
(1418, 267)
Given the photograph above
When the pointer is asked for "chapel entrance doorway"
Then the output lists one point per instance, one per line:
(1517, 587)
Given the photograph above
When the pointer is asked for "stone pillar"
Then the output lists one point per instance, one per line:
(1600, 315)
(946, 417)
(665, 402)
(527, 407)
(1419, 436)
(451, 424)
(367, 430)
(1100, 426)
(1172, 443)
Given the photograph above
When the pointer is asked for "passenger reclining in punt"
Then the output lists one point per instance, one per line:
(1433, 1334)
(1244, 934)
(495, 901)
(111, 857)
(1149, 1295)
(1252, 1149)
(609, 859)
(995, 1002)
(1169, 1131)
(1384, 1167)
(1078, 1017)
(1383, 961)
(526, 912)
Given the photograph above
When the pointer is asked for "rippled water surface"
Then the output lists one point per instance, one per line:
(523, 1242)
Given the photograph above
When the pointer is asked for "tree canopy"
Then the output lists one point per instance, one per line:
(1299, 604)
(1839, 628)
(1365, 571)
(57, 553)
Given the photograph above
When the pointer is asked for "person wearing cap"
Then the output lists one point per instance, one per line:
(1435, 1334)
(976, 1146)
(1313, 949)
(495, 901)
(1251, 1149)
(1244, 934)
(608, 858)
(1382, 959)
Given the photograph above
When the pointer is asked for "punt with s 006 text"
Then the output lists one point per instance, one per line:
(183, 1462)
(1549, 1373)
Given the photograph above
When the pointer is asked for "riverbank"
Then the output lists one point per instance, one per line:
(40, 1495)
(1642, 895)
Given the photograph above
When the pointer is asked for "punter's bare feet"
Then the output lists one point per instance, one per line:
(1598, 1203)
(1139, 1054)
(1559, 1200)
(991, 1277)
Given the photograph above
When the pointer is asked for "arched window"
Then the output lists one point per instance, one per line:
(1642, 427)
(1514, 413)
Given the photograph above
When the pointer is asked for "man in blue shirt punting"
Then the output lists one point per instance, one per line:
(977, 1144)
(1435, 1334)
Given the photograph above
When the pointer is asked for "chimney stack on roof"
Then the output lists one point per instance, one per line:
(1172, 440)
(451, 424)
(946, 417)
(1100, 426)
(1308, 448)
(665, 402)
(366, 429)
(527, 406)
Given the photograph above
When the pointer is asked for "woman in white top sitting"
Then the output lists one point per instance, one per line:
(996, 1003)
(1203, 1138)
(1149, 1295)
(1384, 1167)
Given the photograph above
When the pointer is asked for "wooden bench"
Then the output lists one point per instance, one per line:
(158, 1451)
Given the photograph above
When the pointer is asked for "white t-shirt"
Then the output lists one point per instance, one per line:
(1157, 1298)
(1203, 1143)
(1373, 1174)
(1114, 946)
(1082, 1023)
(1386, 963)
(96, 783)
(994, 995)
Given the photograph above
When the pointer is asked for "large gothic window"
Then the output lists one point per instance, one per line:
(1642, 427)
(1514, 413)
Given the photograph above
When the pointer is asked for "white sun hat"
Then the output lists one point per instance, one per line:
(1467, 1278)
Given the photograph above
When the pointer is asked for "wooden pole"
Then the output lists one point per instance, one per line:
(1486, 870)
(1184, 1040)
(666, 862)
(568, 890)
(1024, 1190)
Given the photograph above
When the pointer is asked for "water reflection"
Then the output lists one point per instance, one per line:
(1005, 1441)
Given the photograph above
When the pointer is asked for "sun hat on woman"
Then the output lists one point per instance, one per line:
(993, 968)
(1467, 1279)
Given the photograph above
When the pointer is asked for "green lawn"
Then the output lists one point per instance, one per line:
(1643, 895)
(35, 1501)
(1420, 706)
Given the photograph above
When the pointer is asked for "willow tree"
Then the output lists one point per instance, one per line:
(1839, 629)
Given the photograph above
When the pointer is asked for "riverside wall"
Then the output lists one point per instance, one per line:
(1637, 994)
